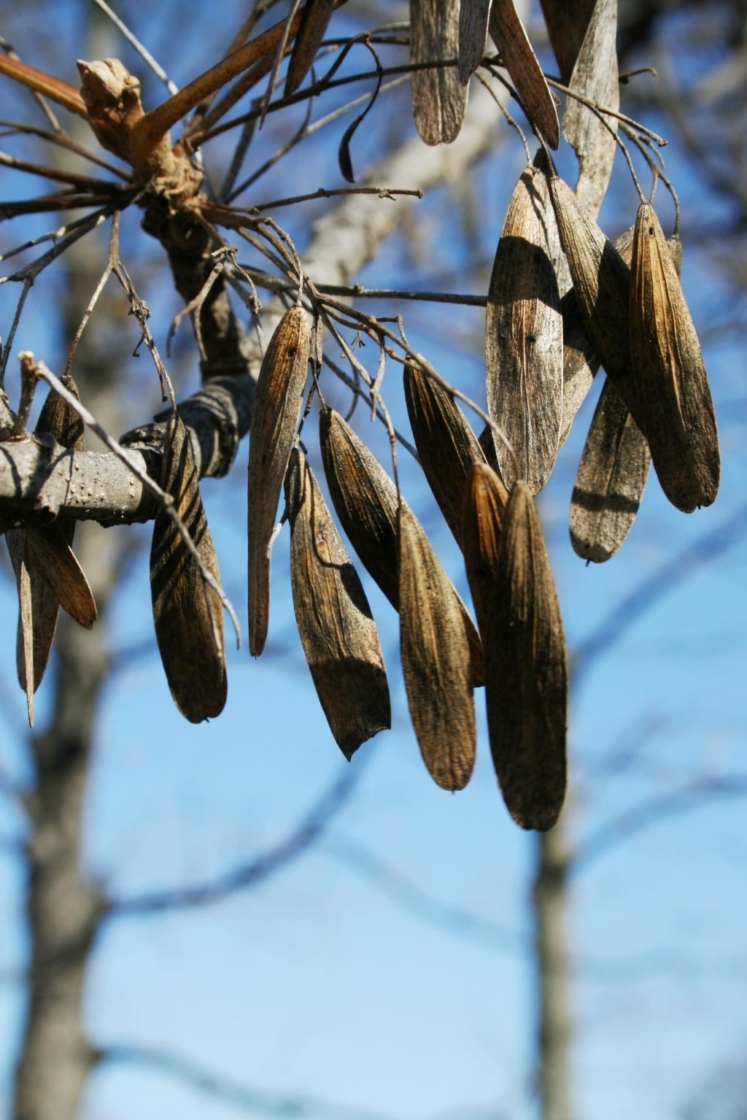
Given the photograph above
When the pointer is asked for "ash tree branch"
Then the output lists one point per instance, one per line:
(39, 480)
(232, 1092)
(262, 867)
(696, 795)
(650, 591)
(484, 932)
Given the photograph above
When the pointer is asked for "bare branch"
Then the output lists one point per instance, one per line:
(223, 1088)
(674, 803)
(651, 591)
(248, 875)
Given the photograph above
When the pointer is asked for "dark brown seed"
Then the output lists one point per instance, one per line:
(436, 660)
(610, 481)
(446, 444)
(50, 558)
(315, 17)
(526, 687)
(510, 37)
(580, 362)
(59, 419)
(334, 620)
(486, 499)
(438, 97)
(601, 280)
(671, 384)
(277, 405)
(186, 610)
(366, 502)
(524, 336)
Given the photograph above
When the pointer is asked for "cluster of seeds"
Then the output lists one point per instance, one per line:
(624, 310)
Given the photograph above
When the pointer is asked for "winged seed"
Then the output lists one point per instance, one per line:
(367, 503)
(187, 611)
(526, 685)
(334, 620)
(277, 404)
(670, 380)
(524, 335)
(436, 660)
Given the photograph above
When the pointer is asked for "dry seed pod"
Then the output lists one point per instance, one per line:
(580, 362)
(446, 444)
(671, 384)
(438, 97)
(473, 33)
(366, 502)
(487, 443)
(315, 17)
(508, 34)
(486, 499)
(186, 610)
(60, 420)
(526, 686)
(610, 480)
(334, 620)
(436, 660)
(524, 336)
(615, 462)
(595, 77)
(601, 280)
(50, 558)
(277, 404)
(567, 21)
(47, 572)
(25, 665)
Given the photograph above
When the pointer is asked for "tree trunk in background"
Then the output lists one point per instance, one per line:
(550, 904)
(63, 907)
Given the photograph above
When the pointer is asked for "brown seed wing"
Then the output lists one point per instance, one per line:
(277, 404)
(47, 571)
(314, 20)
(486, 499)
(580, 362)
(436, 660)
(524, 335)
(25, 663)
(473, 32)
(438, 97)
(567, 21)
(187, 612)
(671, 383)
(595, 77)
(446, 444)
(510, 37)
(526, 687)
(60, 420)
(601, 280)
(610, 480)
(366, 502)
(50, 558)
(334, 620)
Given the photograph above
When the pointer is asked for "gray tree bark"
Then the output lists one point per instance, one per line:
(550, 908)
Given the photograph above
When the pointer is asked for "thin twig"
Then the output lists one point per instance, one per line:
(246, 876)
